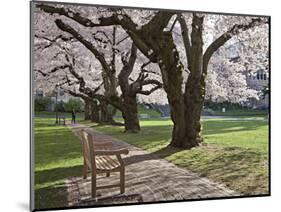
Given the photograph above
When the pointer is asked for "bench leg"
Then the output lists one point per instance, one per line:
(85, 170)
(94, 184)
(108, 174)
(122, 180)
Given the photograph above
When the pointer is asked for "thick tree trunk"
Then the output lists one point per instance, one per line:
(91, 111)
(186, 117)
(172, 76)
(129, 95)
(195, 86)
(194, 101)
(130, 114)
(106, 113)
(87, 114)
(185, 106)
(94, 112)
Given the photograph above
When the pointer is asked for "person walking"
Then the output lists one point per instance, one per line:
(73, 114)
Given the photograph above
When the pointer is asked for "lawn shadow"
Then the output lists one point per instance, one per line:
(44, 197)
(159, 154)
(211, 127)
(56, 174)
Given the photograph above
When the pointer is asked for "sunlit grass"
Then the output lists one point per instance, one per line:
(234, 152)
(57, 156)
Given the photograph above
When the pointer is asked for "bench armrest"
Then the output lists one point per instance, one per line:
(111, 152)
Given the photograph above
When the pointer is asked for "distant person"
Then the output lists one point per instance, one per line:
(73, 114)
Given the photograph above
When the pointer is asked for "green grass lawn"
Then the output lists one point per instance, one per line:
(80, 116)
(234, 152)
(57, 156)
(142, 110)
(51, 114)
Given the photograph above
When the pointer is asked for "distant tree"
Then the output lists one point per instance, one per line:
(265, 91)
(107, 56)
(75, 104)
(42, 104)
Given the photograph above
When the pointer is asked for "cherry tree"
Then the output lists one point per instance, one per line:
(106, 49)
(183, 69)
(54, 69)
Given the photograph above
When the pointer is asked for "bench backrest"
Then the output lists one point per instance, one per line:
(88, 149)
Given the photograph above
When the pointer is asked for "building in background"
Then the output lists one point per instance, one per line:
(258, 81)
(59, 94)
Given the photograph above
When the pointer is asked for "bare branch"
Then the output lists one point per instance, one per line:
(123, 39)
(101, 40)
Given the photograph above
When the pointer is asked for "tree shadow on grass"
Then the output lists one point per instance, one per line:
(211, 127)
(57, 174)
(54, 195)
(159, 154)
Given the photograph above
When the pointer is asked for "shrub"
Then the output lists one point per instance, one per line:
(60, 106)
(42, 104)
(219, 105)
(75, 104)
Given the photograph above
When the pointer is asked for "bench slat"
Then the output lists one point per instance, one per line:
(106, 163)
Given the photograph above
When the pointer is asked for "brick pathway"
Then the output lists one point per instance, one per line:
(148, 179)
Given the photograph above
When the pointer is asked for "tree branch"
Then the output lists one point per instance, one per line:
(148, 92)
(66, 28)
(220, 41)
(83, 96)
(128, 65)
(41, 72)
(68, 13)
(185, 36)
(158, 22)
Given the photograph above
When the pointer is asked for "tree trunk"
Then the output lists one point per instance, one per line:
(106, 113)
(194, 101)
(87, 114)
(130, 114)
(94, 112)
(91, 111)
(171, 69)
(185, 106)
(186, 115)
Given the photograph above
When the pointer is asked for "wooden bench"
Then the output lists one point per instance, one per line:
(99, 157)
